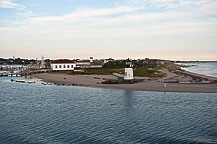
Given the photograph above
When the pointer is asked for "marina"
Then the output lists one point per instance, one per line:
(12, 70)
(10, 75)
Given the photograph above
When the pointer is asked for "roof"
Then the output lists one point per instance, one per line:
(83, 64)
(62, 61)
(96, 63)
(82, 61)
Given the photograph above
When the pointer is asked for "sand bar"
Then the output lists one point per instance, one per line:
(181, 81)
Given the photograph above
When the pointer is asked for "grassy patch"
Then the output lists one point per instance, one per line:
(147, 72)
(138, 71)
(103, 71)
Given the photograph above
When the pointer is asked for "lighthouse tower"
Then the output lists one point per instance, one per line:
(42, 62)
(128, 70)
(91, 59)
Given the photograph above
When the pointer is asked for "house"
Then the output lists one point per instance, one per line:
(108, 60)
(89, 63)
(62, 65)
(83, 63)
(95, 65)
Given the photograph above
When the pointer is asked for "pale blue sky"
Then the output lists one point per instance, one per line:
(167, 29)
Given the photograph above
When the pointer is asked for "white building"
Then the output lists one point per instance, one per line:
(42, 65)
(88, 63)
(62, 65)
(83, 62)
(128, 70)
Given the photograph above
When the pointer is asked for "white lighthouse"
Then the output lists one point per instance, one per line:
(42, 65)
(128, 70)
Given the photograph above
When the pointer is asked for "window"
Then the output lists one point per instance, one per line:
(60, 66)
(55, 66)
(71, 66)
(67, 66)
(64, 66)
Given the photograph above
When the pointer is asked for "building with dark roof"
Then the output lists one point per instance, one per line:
(62, 65)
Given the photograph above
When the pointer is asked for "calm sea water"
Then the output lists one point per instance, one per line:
(38, 114)
(206, 68)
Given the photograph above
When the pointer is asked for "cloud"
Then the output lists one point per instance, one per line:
(182, 25)
(206, 5)
(99, 23)
(155, 3)
(127, 13)
(10, 4)
(134, 19)
(86, 13)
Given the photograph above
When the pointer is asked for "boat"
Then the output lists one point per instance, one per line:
(31, 82)
(9, 75)
(4, 74)
(22, 81)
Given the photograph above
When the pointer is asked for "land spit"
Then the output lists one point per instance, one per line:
(174, 81)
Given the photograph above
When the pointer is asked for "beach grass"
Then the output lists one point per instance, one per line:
(138, 71)
(147, 72)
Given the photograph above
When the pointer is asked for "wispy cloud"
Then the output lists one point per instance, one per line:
(87, 13)
(10, 4)
(205, 5)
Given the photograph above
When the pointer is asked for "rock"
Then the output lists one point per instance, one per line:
(122, 81)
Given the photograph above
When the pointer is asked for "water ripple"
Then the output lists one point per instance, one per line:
(35, 114)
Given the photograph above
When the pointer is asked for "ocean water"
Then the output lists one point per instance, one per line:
(38, 114)
(205, 68)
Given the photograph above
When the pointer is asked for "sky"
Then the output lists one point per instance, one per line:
(164, 29)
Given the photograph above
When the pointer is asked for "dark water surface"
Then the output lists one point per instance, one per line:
(38, 114)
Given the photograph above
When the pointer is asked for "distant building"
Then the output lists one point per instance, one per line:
(150, 62)
(91, 59)
(89, 63)
(63, 64)
(83, 63)
(108, 60)
(95, 65)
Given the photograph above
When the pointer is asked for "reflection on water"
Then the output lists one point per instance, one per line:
(128, 100)
(37, 114)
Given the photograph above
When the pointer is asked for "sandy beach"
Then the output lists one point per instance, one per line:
(176, 81)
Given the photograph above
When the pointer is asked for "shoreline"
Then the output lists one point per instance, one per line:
(176, 81)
